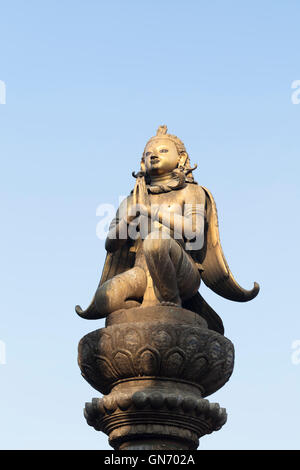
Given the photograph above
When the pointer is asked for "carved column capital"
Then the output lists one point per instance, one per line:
(155, 372)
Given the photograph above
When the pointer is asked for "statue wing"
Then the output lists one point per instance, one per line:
(115, 263)
(198, 305)
(216, 273)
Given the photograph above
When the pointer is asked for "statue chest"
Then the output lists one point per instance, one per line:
(172, 201)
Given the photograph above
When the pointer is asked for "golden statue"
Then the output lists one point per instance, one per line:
(164, 240)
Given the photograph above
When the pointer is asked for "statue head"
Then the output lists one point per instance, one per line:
(165, 153)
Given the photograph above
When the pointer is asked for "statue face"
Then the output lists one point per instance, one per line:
(160, 156)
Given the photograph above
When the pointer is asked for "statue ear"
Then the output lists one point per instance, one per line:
(182, 159)
(143, 168)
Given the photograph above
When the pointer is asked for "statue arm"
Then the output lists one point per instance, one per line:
(191, 224)
(118, 229)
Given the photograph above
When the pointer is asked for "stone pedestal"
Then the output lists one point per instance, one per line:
(155, 366)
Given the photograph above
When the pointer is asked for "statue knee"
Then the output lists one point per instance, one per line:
(153, 246)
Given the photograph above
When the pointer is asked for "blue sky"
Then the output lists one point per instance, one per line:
(87, 83)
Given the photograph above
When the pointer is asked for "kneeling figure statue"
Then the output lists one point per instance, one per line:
(163, 349)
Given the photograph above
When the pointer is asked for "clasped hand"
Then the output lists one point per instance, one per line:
(137, 210)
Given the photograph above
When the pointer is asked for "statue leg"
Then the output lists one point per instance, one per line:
(122, 291)
(174, 273)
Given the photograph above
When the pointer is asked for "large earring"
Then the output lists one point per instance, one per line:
(142, 172)
(182, 160)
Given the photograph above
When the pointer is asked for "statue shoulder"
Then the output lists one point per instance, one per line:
(208, 197)
(195, 193)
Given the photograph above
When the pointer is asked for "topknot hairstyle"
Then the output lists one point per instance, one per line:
(162, 131)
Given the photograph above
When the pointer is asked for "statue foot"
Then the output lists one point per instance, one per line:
(131, 304)
(171, 304)
(156, 302)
